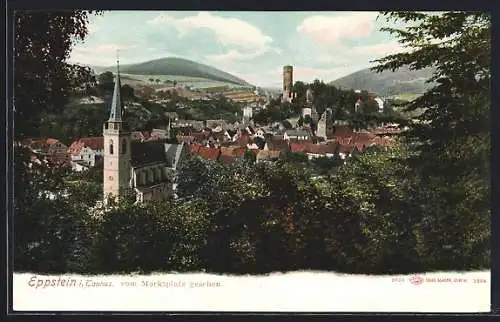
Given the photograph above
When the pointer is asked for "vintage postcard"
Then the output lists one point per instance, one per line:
(177, 161)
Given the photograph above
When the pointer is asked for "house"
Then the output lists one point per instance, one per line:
(160, 133)
(299, 147)
(79, 166)
(49, 149)
(196, 125)
(260, 132)
(209, 153)
(86, 151)
(321, 150)
(296, 134)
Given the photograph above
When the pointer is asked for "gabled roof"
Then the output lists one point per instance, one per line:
(209, 153)
(226, 151)
(116, 103)
(239, 151)
(95, 143)
(51, 141)
(243, 139)
(147, 152)
(173, 153)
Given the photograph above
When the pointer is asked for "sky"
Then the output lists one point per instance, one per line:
(251, 45)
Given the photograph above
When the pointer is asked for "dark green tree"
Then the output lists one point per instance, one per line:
(456, 117)
(106, 81)
(43, 79)
(450, 140)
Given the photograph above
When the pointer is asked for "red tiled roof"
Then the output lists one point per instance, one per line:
(194, 148)
(239, 151)
(51, 141)
(95, 143)
(321, 149)
(243, 140)
(209, 153)
(298, 146)
(226, 151)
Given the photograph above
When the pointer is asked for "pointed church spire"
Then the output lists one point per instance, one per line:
(116, 104)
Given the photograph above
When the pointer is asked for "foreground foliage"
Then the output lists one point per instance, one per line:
(258, 218)
(421, 206)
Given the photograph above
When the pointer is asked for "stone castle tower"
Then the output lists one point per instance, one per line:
(288, 94)
(116, 148)
(325, 125)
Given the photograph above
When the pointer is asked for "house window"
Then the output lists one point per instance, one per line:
(110, 146)
(124, 146)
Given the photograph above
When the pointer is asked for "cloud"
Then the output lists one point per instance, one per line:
(101, 54)
(308, 74)
(334, 29)
(93, 28)
(235, 55)
(103, 49)
(379, 50)
(229, 31)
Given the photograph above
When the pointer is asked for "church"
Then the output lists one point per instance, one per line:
(144, 170)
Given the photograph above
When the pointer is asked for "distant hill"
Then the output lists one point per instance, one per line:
(387, 83)
(176, 67)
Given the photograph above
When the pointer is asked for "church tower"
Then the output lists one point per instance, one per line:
(116, 148)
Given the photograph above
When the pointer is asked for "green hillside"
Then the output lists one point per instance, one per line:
(387, 83)
(177, 67)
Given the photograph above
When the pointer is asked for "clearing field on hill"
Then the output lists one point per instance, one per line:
(196, 82)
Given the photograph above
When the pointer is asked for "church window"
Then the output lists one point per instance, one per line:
(110, 146)
(124, 146)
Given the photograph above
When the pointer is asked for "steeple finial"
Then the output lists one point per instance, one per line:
(116, 104)
(118, 60)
